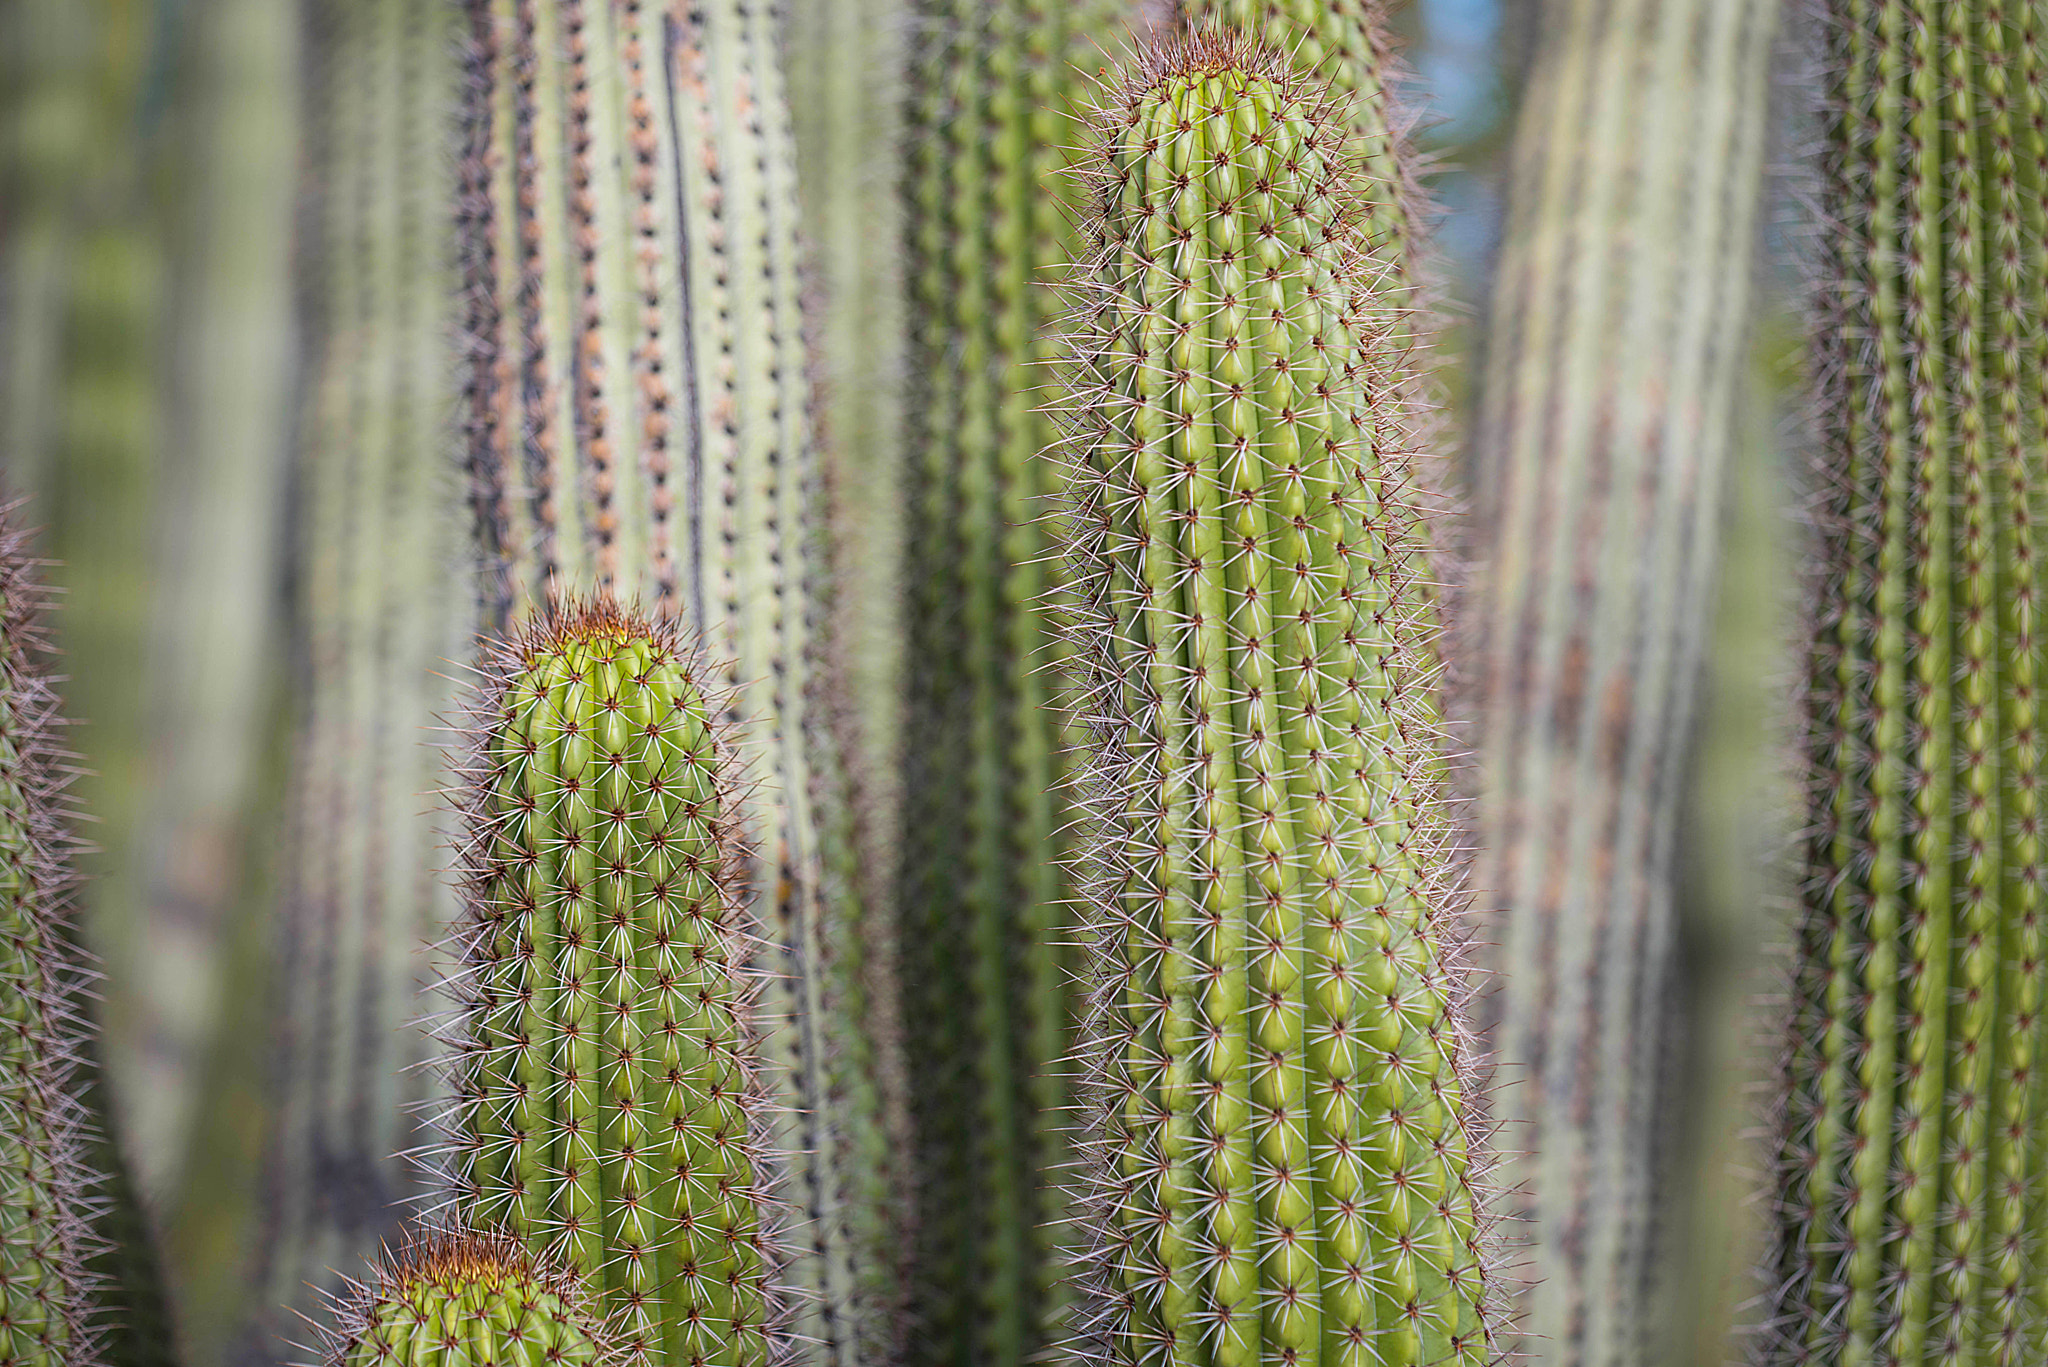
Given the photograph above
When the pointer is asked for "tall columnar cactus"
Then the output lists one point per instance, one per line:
(382, 603)
(637, 419)
(610, 1098)
(48, 1315)
(1286, 1140)
(1910, 1189)
(461, 1298)
(1607, 410)
(995, 91)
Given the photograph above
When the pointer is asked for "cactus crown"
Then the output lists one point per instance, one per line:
(47, 1199)
(454, 1296)
(1284, 1132)
(607, 1076)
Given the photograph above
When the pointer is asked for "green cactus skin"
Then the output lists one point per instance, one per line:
(610, 1095)
(1286, 1138)
(1608, 409)
(459, 1298)
(48, 1311)
(381, 604)
(1910, 1198)
(638, 419)
(994, 100)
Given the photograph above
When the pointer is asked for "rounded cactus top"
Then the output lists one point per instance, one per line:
(462, 1298)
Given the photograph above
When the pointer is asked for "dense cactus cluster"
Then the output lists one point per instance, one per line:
(47, 1199)
(612, 1101)
(1910, 1183)
(1285, 1143)
(462, 1298)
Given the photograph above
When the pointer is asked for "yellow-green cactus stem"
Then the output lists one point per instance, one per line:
(612, 1102)
(48, 1316)
(460, 1298)
(1286, 1137)
(1910, 1201)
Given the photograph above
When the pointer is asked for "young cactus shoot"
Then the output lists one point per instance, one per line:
(1285, 1132)
(458, 1298)
(611, 1103)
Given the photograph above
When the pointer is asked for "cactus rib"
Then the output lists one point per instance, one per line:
(1285, 1135)
(48, 1198)
(611, 1095)
(1909, 1151)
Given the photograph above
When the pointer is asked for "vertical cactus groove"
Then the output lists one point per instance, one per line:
(995, 92)
(608, 1071)
(1285, 1135)
(47, 1196)
(381, 606)
(1910, 1178)
(1608, 407)
(638, 421)
(462, 1299)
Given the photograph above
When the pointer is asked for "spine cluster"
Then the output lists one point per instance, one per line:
(466, 1299)
(1910, 1182)
(1285, 1138)
(612, 1104)
(47, 1199)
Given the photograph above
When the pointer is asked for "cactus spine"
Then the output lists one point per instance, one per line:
(1285, 1135)
(611, 1097)
(1910, 1184)
(638, 420)
(464, 1299)
(994, 102)
(1607, 411)
(47, 1195)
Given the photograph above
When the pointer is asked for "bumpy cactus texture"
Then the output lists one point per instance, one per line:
(638, 420)
(611, 1098)
(996, 91)
(459, 1298)
(1608, 409)
(1910, 1189)
(1285, 1137)
(47, 1199)
(382, 604)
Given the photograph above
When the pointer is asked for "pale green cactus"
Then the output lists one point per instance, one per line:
(1287, 1145)
(1910, 1187)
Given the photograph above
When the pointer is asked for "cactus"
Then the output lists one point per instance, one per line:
(637, 419)
(1607, 411)
(460, 1298)
(1286, 1143)
(993, 106)
(1910, 1206)
(48, 1315)
(609, 1092)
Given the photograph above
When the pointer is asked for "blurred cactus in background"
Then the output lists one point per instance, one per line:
(1608, 408)
(1909, 1202)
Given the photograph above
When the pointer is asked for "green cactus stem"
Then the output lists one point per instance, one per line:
(1286, 1141)
(995, 96)
(638, 420)
(610, 1096)
(48, 1314)
(1910, 1190)
(459, 1298)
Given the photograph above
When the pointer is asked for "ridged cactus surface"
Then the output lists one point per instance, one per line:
(1285, 1136)
(610, 1094)
(459, 1298)
(48, 1311)
(994, 99)
(1910, 1187)
(382, 604)
(1608, 407)
(638, 420)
